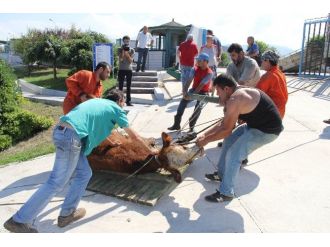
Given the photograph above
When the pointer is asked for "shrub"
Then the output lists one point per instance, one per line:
(5, 142)
(9, 96)
(22, 124)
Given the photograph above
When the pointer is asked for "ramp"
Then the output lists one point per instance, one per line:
(290, 62)
(145, 189)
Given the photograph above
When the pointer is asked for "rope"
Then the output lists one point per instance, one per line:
(201, 105)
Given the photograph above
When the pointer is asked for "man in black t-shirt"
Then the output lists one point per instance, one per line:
(263, 125)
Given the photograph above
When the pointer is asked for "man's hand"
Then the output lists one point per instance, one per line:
(113, 143)
(201, 141)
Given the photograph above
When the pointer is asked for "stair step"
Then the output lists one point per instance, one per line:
(144, 78)
(141, 90)
(146, 73)
(143, 84)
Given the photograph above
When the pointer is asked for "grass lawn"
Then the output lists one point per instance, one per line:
(44, 78)
(41, 143)
(37, 145)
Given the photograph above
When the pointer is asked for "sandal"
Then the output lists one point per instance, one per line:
(218, 197)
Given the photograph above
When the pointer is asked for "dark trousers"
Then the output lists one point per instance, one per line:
(122, 74)
(197, 111)
(143, 53)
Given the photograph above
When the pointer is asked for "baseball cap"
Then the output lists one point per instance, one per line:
(202, 56)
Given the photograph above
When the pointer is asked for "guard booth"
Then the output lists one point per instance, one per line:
(315, 49)
(167, 37)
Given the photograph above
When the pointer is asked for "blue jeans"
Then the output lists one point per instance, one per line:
(197, 110)
(70, 161)
(142, 55)
(186, 72)
(235, 148)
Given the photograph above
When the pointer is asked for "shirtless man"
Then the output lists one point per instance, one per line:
(263, 125)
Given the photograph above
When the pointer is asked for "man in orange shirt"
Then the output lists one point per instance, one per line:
(273, 82)
(85, 85)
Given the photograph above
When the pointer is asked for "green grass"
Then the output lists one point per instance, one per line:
(41, 143)
(38, 145)
(44, 78)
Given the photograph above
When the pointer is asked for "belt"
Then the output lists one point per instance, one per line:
(63, 125)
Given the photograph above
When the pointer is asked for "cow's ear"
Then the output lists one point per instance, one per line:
(166, 139)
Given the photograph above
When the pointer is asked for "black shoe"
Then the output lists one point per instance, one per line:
(244, 162)
(174, 127)
(129, 104)
(213, 176)
(218, 197)
(14, 226)
(142, 70)
(219, 144)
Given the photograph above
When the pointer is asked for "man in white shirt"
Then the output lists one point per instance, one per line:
(144, 40)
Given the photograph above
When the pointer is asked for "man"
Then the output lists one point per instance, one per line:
(273, 82)
(202, 76)
(75, 136)
(211, 49)
(245, 70)
(126, 55)
(187, 52)
(144, 40)
(217, 43)
(263, 125)
(253, 50)
(85, 85)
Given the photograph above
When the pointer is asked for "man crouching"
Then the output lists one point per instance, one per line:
(75, 136)
(263, 125)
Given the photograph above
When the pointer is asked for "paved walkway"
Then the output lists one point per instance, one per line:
(285, 187)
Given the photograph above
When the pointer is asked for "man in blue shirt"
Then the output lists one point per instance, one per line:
(253, 50)
(75, 136)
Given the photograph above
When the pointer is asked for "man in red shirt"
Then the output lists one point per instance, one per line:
(187, 51)
(202, 76)
(273, 82)
(85, 85)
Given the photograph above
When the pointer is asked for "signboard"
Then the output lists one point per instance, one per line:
(102, 52)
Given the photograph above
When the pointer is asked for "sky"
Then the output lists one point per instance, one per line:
(279, 23)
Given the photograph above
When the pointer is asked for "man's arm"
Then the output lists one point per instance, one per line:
(248, 73)
(135, 136)
(75, 85)
(204, 81)
(151, 40)
(224, 129)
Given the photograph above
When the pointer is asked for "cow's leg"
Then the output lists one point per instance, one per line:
(175, 173)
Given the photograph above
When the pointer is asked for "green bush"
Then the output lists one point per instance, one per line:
(9, 96)
(5, 142)
(22, 124)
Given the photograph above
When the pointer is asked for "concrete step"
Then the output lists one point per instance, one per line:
(135, 90)
(145, 78)
(144, 84)
(146, 99)
(146, 73)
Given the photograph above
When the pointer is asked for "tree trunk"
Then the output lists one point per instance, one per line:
(54, 70)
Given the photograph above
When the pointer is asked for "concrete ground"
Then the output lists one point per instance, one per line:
(284, 188)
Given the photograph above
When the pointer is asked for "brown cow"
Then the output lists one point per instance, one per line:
(131, 156)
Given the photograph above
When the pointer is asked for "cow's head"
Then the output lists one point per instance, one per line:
(175, 156)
